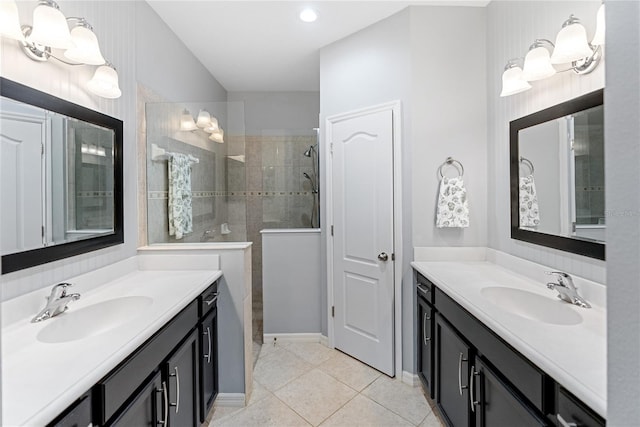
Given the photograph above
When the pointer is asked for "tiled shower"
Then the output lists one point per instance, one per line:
(239, 187)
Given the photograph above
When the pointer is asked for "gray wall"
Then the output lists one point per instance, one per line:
(441, 84)
(265, 111)
(372, 67)
(166, 65)
(622, 158)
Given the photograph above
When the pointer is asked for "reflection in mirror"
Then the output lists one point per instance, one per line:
(557, 177)
(563, 193)
(60, 178)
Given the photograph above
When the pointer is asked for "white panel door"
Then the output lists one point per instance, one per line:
(363, 238)
(21, 187)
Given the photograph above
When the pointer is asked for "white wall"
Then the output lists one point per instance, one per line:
(278, 111)
(124, 29)
(622, 160)
(511, 28)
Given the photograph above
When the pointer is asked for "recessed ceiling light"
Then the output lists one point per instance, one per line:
(308, 15)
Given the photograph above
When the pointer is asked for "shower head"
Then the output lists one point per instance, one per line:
(309, 151)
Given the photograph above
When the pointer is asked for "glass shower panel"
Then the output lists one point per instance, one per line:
(218, 203)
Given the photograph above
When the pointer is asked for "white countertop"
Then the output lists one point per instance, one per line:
(574, 355)
(40, 380)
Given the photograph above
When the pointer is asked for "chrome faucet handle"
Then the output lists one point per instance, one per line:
(59, 290)
(564, 279)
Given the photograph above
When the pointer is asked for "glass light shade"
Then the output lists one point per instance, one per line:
(9, 20)
(186, 121)
(87, 50)
(308, 15)
(598, 38)
(105, 82)
(212, 126)
(537, 65)
(512, 82)
(217, 136)
(204, 119)
(571, 45)
(50, 27)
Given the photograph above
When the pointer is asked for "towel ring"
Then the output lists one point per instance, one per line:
(527, 163)
(451, 162)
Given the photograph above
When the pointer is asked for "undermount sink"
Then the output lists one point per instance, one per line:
(532, 306)
(92, 320)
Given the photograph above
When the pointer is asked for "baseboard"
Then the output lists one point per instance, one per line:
(411, 379)
(324, 340)
(295, 337)
(236, 400)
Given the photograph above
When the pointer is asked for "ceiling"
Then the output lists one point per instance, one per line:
(263, 45)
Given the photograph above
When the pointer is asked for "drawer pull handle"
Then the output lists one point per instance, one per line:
(563, 423)
(425, 339)
(212, 300)
(177, 375)
(208, 355)
(460, 386)
(472, 389)
(423, 289)
(163, 390)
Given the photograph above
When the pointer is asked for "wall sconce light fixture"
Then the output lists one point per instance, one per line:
(186, 121)
(50, 30)
(217, 136)
(571, 47)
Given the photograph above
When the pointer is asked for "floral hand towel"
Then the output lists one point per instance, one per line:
(529, 213)
(453, 209)
(180, 210)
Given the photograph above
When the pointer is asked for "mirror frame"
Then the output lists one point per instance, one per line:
(21, 260)
(587, 248)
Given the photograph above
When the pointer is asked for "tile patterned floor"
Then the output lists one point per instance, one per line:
(308, 384)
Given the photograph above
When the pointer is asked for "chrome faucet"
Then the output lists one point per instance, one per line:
(567, 291)
(56, 302)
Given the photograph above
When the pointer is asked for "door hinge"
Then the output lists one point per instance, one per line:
(333, 311)
(42, 149)
(331, 147)
(332, 230)
(42, 228)
(393, 257)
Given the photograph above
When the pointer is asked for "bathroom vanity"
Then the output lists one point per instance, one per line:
(139, 349)
(496, 348)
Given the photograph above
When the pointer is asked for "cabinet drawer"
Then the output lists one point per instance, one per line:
(208, 299)
(424, 288)
(524, 376)
(78, 415)
(116, 388)
(575, 413)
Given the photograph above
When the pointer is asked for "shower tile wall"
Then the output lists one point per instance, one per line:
(277, 196)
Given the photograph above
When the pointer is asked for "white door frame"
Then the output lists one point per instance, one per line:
(395, 108)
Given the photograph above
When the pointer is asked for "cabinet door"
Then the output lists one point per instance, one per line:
(452, 374)
(181, 378)
(495, 404)
(148, 407)
(425, 345)
(208, 363)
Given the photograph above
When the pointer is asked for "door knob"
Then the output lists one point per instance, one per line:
(383, 256)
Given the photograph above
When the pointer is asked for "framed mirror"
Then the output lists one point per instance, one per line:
(557, 177)
(61, 178)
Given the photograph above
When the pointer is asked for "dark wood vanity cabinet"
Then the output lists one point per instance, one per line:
(208, 362)
(452, 374)
(182, 378)
(425, 337)
(170, 380)
(478, 380)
